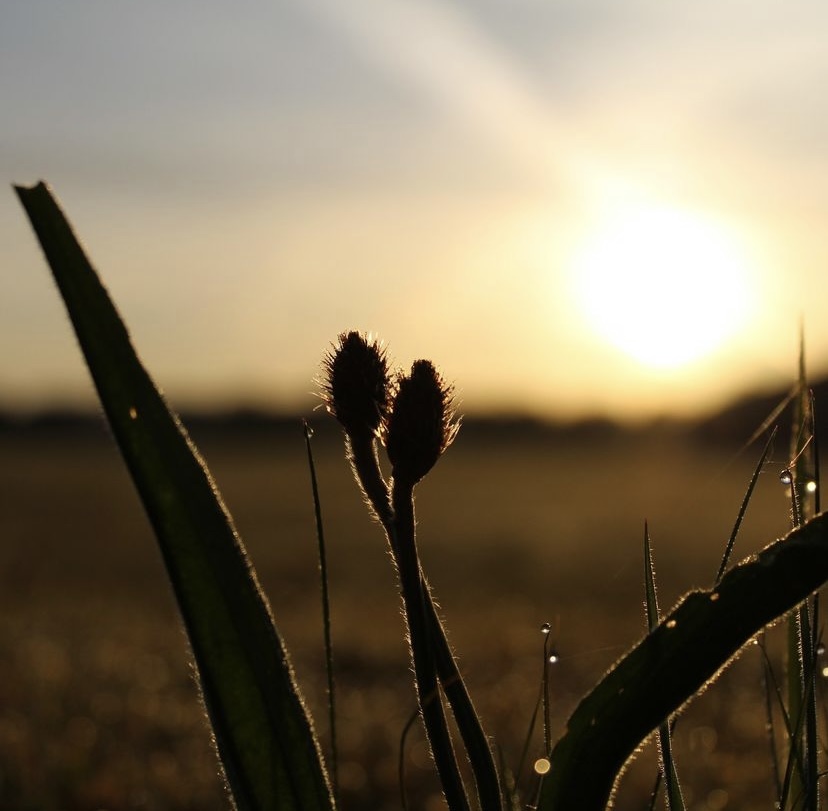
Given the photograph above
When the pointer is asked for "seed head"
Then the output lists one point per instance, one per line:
(421, 423)
(355, 384)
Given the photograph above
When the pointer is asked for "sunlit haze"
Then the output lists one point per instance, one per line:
(664, 287)
(573, 208)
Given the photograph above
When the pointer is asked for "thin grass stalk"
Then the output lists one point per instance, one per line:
(527, 742)
(794, 778)
(811, 773)
(744, 505)
(675, 800)
(547, 700)
(775, 690)
(794, 782)
(801, 652)
(326, 613)
(769, 683)
(811, 730)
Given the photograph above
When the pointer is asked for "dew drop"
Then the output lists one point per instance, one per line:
(546, 628)
(542, 765)
(786, 477)
(554, 658)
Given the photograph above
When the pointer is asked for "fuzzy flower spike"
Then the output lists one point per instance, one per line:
(355, 384)
(421, 423)
(356, 389)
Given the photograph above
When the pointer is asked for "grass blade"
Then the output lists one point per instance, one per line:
(675, 799)
(264, 736)
(326, 607)
(744, 505)
(671, 664)
(801, 656)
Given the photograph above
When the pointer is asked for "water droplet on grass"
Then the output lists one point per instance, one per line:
(546, 628)
(554, 658)
(542, 766)
(786, 477)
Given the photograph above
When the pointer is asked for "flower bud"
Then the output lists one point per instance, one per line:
(421, 423)
(355, 385)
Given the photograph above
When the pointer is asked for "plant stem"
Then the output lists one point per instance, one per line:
(422, 648)
(362, 454)
(468, 721)
(363, 457)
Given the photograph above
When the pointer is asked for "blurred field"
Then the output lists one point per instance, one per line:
(98, 709)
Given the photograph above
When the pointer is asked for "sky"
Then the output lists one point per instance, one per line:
(573, 207)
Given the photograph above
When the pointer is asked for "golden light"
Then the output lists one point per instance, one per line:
(664, 286)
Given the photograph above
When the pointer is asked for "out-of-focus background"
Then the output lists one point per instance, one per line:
(573, 207)
(521, 523)
(603, 222)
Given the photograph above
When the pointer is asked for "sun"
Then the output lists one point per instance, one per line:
(666, 287)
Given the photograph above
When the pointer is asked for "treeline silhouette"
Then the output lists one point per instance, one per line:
(731, 425)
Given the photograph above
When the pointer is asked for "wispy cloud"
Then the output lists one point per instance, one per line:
(444, 54)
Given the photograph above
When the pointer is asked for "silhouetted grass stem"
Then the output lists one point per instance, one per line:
(403, 544)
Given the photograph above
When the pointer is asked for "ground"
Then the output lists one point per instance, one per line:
(98, 707)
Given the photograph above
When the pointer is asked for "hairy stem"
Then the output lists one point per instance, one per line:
(422, 649)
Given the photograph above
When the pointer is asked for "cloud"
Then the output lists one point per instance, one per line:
(461, 72)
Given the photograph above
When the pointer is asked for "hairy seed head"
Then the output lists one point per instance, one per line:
(421, 423)
(355, 384)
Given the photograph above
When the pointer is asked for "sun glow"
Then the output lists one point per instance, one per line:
(664, 286)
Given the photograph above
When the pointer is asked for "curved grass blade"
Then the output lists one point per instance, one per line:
(675, 799)
(264, 735)
(676, 660)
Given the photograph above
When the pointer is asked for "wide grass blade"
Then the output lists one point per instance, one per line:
(676, 660)
(264, 736)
